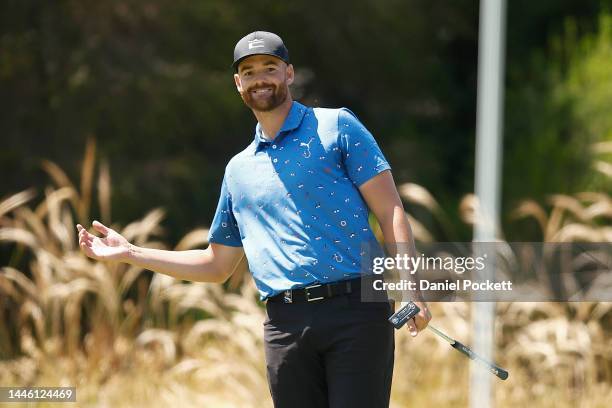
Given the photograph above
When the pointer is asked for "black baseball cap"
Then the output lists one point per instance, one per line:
(257, 43)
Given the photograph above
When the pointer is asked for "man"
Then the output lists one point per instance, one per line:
(296, 202)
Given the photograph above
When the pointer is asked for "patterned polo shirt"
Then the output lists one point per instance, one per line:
(293, 202)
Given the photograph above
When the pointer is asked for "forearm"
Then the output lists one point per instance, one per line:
(396, 228)
(399, 240)
(384, 201)
(193, 265)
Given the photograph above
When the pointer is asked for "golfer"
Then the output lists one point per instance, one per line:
(295, 201)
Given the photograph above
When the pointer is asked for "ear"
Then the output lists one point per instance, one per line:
(238, 83)
(290, 74)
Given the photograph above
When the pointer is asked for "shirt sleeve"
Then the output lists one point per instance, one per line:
(361, 155)
(224, 228)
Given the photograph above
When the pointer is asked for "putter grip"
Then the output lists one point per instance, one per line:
(498, 371)
(399, 318)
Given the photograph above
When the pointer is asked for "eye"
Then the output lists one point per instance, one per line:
(246, 74)
(271, 69)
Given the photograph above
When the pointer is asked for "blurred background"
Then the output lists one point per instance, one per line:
(126, 112)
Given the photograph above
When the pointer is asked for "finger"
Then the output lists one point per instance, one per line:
(412, 328)
(87, 238)
(84, 235)
(86, 242)
(101, 228)
(421, 322)
(85, 248)
(79, 227)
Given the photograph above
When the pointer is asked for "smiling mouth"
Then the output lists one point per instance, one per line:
(261, 91)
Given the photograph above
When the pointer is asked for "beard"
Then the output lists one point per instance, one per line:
(265, 103)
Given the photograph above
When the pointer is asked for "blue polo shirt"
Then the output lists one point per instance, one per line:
(293, 203)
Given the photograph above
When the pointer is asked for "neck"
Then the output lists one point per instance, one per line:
(272, 121)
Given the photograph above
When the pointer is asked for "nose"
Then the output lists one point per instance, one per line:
(261, 76)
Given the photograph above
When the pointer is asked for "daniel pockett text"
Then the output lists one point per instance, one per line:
(422, 263)
(497, 271)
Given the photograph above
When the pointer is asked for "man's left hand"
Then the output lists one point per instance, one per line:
(420, 321)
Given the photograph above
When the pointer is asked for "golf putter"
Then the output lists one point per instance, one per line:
(399, 318)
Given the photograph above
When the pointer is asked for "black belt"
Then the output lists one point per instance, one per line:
(317, 291)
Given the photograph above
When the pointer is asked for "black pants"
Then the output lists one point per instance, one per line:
(335, 353)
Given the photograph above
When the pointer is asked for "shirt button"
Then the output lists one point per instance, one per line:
(274, 146)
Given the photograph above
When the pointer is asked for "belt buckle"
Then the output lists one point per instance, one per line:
(307, 293)
(287, 296)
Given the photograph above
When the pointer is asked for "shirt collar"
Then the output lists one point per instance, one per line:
(292, 121)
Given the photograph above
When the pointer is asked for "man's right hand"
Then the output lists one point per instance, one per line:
(112, 246)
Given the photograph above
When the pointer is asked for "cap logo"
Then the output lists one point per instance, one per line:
(256, 44)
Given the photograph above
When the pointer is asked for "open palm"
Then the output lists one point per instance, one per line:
(111, 246)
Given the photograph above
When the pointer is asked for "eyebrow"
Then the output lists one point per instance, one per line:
(266, 63)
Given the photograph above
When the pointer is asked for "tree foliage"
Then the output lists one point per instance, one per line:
(151, 82)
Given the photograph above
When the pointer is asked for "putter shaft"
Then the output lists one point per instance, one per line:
(496, 370)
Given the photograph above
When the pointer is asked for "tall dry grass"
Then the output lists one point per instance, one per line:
(128, 338)
(559, 354)
(121, 335)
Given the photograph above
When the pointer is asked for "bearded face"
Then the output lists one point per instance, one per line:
(263, 82)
